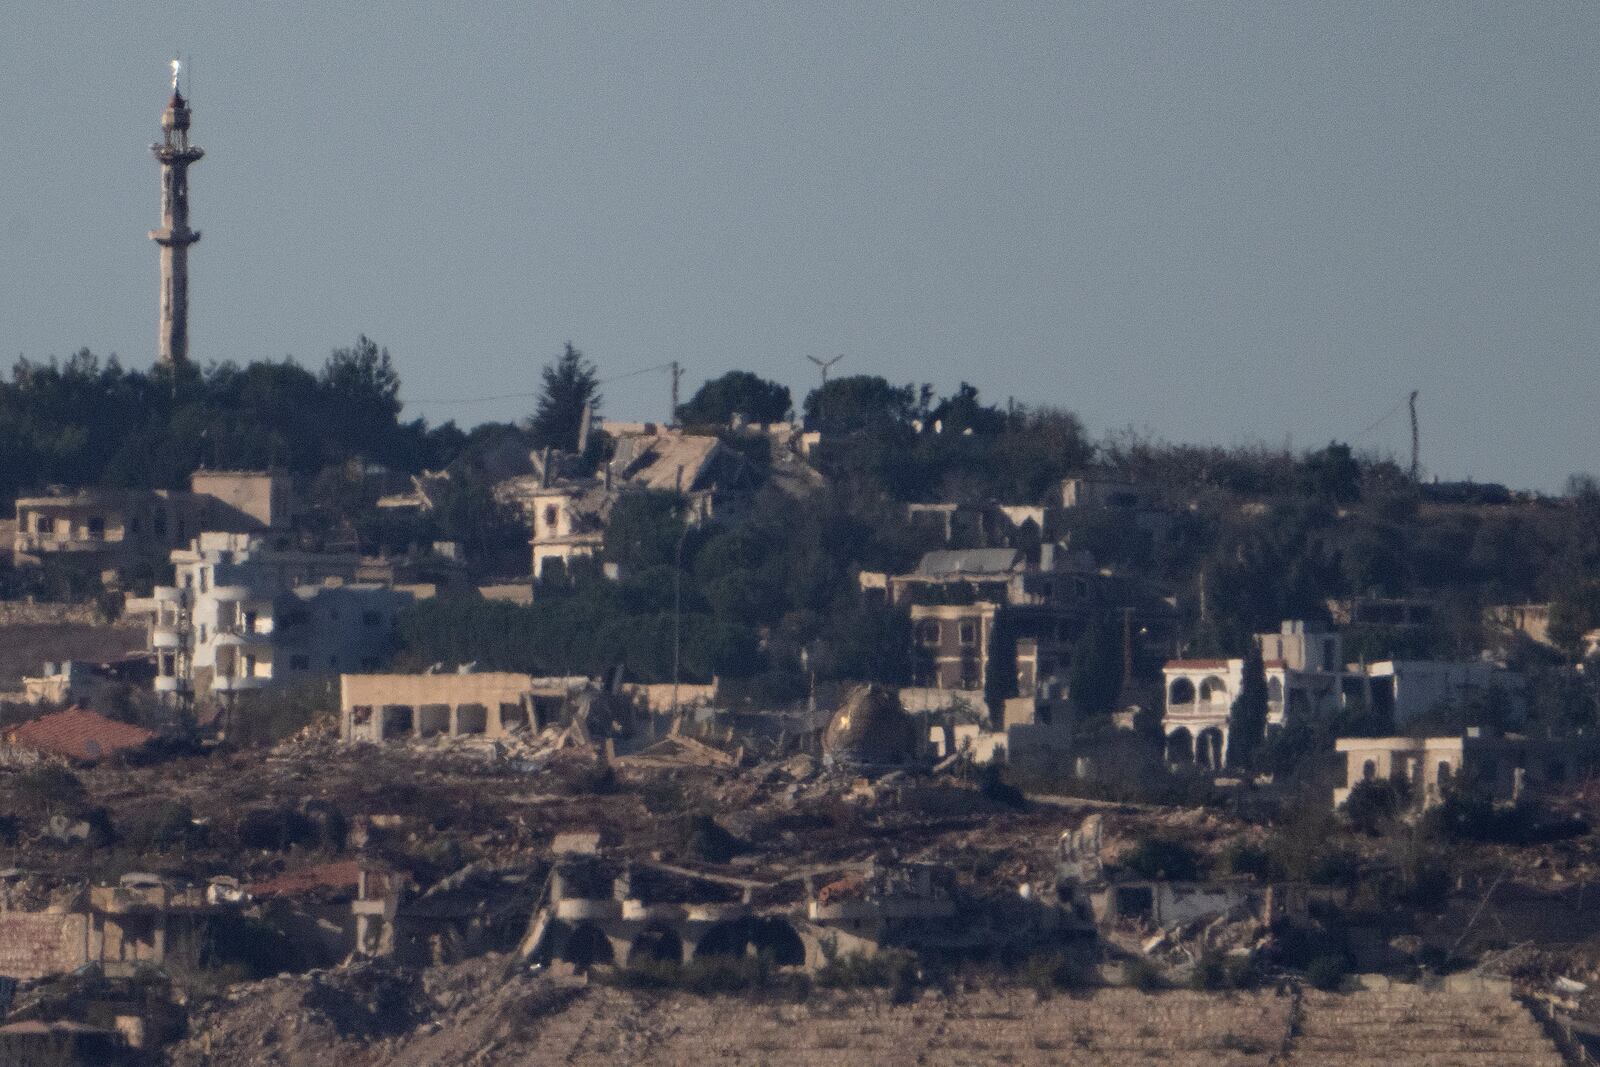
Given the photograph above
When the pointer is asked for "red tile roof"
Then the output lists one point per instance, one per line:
(1197, 665)
(340, 876)
(77, 733)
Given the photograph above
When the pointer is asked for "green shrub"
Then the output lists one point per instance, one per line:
(993, 785)
(1047, 973)
(1241, 858)
(234, 942)
(1215, 971)
(1327, 972)
(711, 976)
(890, 969)
(1468, 814)
(1427, 887)
(1210, 972)
(1164, 859)
(1143, 975)
(1336, 868)
(707, 841)
(1373, 804)
(276, 829)
(171, 825)
(50, 788)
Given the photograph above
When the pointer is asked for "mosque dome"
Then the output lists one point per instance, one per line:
(870, 727)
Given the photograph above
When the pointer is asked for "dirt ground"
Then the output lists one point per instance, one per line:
(478, 1014)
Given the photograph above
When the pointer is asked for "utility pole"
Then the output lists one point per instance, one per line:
(1416, 441)
(677, 614)
(677, 372)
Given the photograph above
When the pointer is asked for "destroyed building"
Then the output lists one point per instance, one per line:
(492, 704)
(1504, 768)
(109, 527)
(870, 729)
(965, 604)
(568, 508)
(600, 911)
(117, 927)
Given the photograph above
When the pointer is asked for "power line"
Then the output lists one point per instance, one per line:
(526, 396)
(1385, 417)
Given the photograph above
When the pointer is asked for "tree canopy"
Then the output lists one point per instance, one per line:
(736, 393)
(88, 422)
(859, 402)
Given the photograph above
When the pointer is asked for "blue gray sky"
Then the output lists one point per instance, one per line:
(1215, 222)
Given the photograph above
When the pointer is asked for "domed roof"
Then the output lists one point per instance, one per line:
(870, 728)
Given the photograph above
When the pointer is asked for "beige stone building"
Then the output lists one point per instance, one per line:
(382, 707)
(108, 527)
(1505, 767)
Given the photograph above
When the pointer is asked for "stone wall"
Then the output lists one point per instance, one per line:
(24, 612)
(35, 944)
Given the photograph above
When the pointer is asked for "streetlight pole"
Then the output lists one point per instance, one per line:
(677, 617)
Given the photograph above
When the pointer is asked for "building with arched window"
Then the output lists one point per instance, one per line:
(1306, 675)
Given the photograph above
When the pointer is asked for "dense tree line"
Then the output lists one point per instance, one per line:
(88, 422)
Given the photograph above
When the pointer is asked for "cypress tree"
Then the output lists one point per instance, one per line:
(1247, 721)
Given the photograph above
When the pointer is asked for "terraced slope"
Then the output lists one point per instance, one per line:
(1406, 1026)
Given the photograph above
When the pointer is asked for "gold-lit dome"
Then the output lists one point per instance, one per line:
(870, 728)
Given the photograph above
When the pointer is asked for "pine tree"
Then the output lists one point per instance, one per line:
(569, 383)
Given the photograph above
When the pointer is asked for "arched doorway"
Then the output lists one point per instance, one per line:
(723, 939)
(1180, 746)
(585, 947)
(778, 938)
(660, 943)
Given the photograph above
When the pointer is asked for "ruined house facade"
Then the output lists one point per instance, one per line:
(1428, 767)
(971, 608)
(383, 707)
(568, 509)
(110, 526)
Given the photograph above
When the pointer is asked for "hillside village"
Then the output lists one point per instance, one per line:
(877, 723)
(892, 692)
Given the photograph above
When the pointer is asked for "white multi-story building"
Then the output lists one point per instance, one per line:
(242, 615)
(1306, 674)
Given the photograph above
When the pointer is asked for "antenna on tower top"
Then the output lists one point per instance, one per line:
(176, 67)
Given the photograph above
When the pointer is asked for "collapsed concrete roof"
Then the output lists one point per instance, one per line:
(947, 562)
